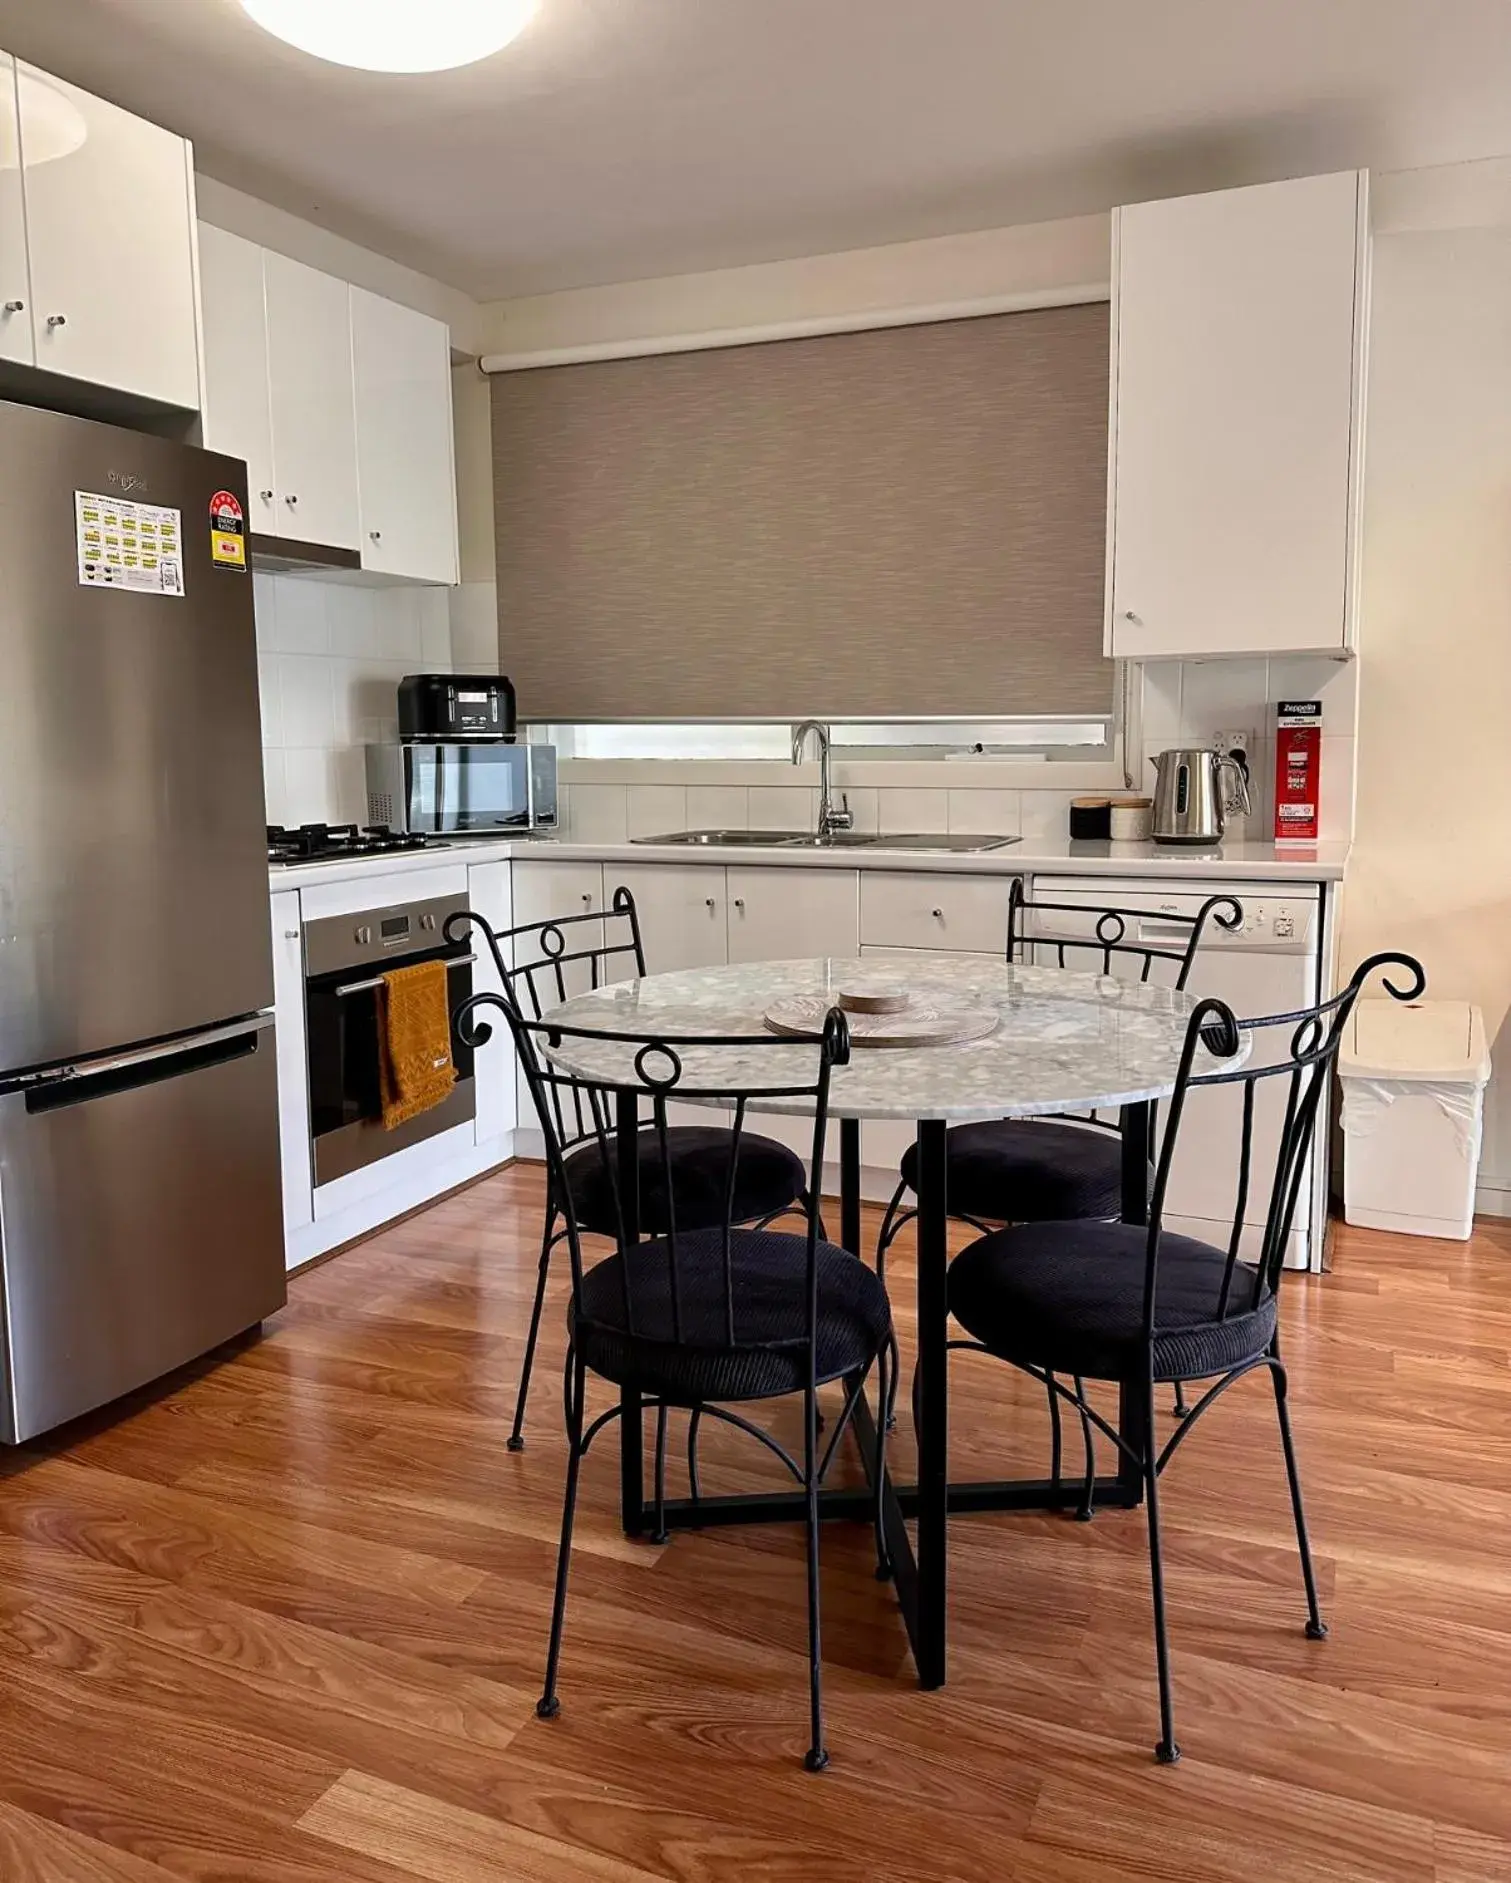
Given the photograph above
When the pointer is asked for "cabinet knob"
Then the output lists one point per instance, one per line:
(291, 934)
(291, 500)
(938, 914)
(587, 902)
(739, 902)
(15, 307)
(1129, 615)
(266, 495)
(376, 535)
(57, 320)
(708, 902)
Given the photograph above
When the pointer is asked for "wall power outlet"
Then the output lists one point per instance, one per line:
(1242, 743)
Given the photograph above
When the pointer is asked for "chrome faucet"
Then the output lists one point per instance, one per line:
(829, 819)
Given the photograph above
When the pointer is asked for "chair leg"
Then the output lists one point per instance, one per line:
(548, 1706)
(817, 1756)
(1180, 1408)
(660, 1534)
(517, 1436)
(1316, 1627)
(891, 1222)
(1167, 1751)
(886, 1394)
(1089, 1484)
(1056, 1442)
(694, 1484)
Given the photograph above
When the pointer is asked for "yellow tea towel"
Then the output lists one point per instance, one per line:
(415, 1069)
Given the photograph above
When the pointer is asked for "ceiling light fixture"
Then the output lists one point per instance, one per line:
(395, 35)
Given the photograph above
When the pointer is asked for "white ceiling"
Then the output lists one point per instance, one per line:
(626, 138)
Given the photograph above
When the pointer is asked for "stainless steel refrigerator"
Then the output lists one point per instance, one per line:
(140, 1215)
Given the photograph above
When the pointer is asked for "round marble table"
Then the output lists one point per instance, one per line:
(1064, 1042)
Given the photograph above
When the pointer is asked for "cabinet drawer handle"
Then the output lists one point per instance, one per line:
(57, 320)
(15, 307)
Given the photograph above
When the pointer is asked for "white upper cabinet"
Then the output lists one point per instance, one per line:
(109, 203)
(15, 274)
(314, 423)
(405, 456)
(238, 413)
(1237, 391)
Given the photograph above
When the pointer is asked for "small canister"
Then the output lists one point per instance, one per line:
(1090, 817)
(1132, 819)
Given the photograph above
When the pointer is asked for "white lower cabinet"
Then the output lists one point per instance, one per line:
(924, 909)
(681, 908)
(780, 914)
(490, 893)
(293, 1069)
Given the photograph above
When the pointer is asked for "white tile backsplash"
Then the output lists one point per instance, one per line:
(783, 807)
(985, 812)
(597, 814)
(904, 808)
(655, 810)
(330, 658)
(717, 807)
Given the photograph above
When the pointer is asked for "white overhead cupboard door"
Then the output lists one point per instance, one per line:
(405, 456)
(314, 423)
(1236, 357)
(110, 230)
(15, 276)
(238, 413)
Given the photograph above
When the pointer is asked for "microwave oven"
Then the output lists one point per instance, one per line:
(462, 787)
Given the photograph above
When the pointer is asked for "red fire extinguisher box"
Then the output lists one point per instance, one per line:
(1298, 770)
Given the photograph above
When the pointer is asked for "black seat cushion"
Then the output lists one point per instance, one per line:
(1029, 1170)
(769, 1291)
(1070, 1297)
(768, 1177)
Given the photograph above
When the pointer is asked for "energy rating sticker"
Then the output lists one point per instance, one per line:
(228, 531)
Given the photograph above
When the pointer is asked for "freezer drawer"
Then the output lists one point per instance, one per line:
(140, 1220)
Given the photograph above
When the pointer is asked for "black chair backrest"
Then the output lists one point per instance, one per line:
(618, 1071)
(1308, 1042)
(542, 964)
(1114, 933)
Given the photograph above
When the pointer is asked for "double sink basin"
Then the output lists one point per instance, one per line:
(836, 840)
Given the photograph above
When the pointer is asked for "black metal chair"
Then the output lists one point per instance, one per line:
(1135, 1305)
(1038, 1170)
(541, 963)
(704, 1317)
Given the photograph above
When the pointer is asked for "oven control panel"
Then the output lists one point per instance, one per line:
(380, 936)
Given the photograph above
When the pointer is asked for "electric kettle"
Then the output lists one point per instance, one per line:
(1189, 803)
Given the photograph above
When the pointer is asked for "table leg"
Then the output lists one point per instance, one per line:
(849, 1184)
(1133, 1419)
(933, 1405)
(631, 1433)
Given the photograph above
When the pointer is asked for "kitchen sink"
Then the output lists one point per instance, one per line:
(836, 840)
(734, 839)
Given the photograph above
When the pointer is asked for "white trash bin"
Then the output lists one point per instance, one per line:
(1413, 1077)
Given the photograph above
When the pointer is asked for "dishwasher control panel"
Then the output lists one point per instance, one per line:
(1280, 918)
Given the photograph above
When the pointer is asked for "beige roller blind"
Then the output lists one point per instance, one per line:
(908, 521)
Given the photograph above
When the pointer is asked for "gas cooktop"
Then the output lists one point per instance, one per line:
(319, 843)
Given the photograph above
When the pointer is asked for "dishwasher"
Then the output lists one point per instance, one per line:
(1273, 964)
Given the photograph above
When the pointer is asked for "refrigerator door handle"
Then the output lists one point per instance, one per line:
(140, 1056)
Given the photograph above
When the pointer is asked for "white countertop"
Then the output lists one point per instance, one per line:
(1059, 856)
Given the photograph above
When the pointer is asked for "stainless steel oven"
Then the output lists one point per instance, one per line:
(462, 787)
(345, 957)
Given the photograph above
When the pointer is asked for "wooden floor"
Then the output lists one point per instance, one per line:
(287, 1621)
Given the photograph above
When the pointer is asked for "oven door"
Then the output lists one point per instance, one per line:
(346, 1113)
(454, 790)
